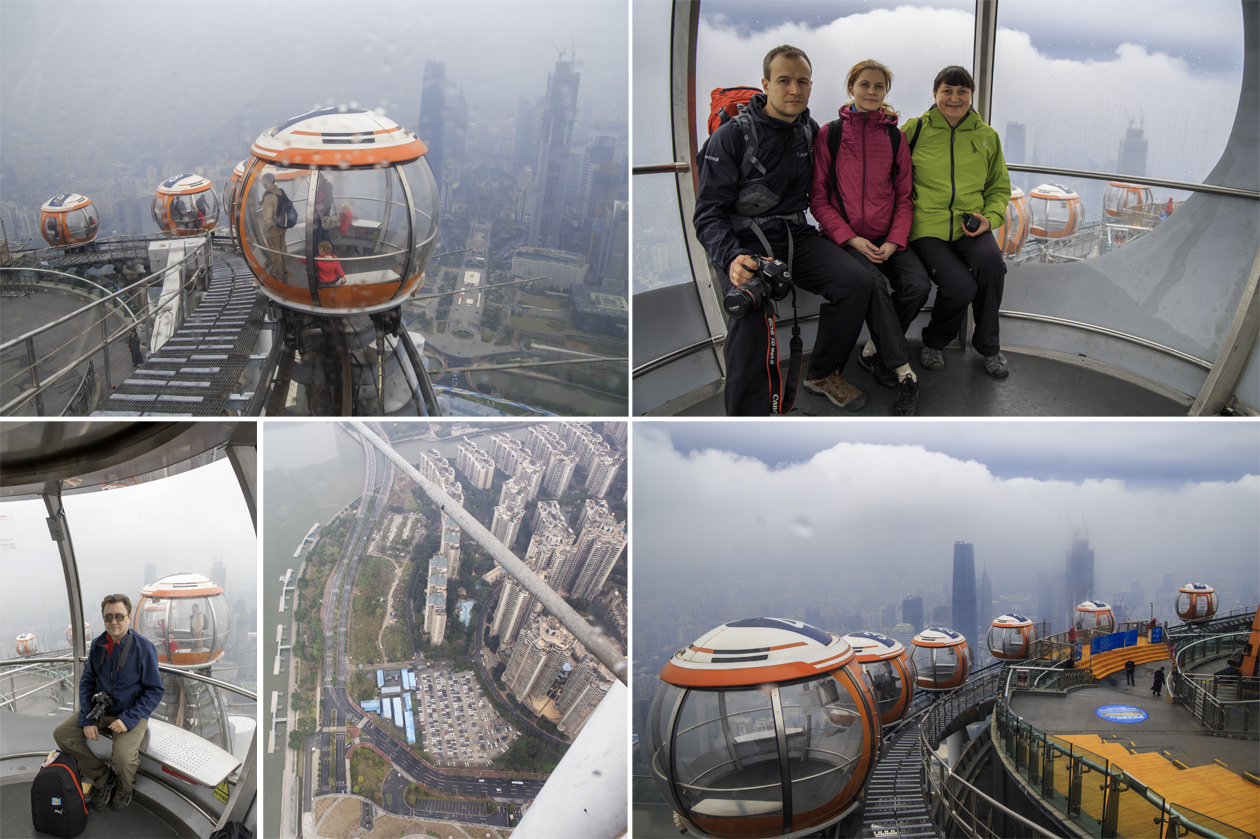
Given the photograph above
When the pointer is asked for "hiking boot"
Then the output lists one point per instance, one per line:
(996, 366)
(842, 394)
(102, 791)
(932, 359)
(871, 364)
(907, 404)
(121, 799)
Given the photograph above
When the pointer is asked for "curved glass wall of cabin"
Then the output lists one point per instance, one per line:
(111, 535)
(1155, 298)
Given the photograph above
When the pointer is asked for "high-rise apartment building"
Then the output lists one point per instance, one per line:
(476, 464)
(586, 685)
(540, 651)
(1080, 573)
(600, 543)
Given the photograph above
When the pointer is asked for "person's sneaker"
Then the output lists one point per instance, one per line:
(932, 359)
(121, 799)
(102, 791)
(842, 394)
(871, 364)
(907, 404)
(996, 366)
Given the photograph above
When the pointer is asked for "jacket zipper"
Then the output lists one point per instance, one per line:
(862, 206)
(953, 187)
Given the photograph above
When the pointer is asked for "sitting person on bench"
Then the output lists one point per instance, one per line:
(120, 688)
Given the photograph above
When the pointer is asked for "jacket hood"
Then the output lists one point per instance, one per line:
(874, 117)
(936, 119)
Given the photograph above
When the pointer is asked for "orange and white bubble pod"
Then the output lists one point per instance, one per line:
(1196, 602)
(186, 617)
(763, 727)
(1014, 231)
(27, 644)
(356, 180)
(942, 658)
(890, 669)
(1094, 617)
(1011, 637)
(185, 205)
(1055, 211)
(68, 219)
(1121, 198)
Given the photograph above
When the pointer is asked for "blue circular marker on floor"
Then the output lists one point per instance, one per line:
(1121, 713)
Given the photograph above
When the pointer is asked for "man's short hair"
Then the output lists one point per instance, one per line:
(268, 176)
(117, 598)
(787, 51)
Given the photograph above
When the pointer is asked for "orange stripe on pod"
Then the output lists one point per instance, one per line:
(736, 677)
(333, 156)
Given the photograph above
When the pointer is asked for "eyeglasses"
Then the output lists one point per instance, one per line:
(118, 618)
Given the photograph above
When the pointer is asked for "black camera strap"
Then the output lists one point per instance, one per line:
(796, 345)
(120, 661)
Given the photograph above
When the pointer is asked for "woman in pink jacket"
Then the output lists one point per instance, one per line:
(860, 197)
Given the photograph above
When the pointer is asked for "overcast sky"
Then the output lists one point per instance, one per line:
(1076, 73)
(95, 71)
(181, 523)
(744, 499)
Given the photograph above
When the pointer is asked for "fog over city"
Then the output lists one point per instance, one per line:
(183, 523)
(842, 509)
(92, 75)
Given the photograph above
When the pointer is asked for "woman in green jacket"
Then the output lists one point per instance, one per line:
(961, 189)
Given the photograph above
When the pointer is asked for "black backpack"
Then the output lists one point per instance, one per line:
(57, 805)
(286, 213)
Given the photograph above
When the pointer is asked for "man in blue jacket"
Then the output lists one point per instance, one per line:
(746, 207)
(124, 665)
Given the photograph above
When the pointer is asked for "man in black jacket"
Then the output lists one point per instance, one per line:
(741, 212)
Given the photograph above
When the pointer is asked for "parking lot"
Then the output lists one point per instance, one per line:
(459, 726)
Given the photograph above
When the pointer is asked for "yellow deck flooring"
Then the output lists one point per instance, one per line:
(1210, 789)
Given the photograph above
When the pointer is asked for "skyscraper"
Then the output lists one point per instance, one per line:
(555, 135)
(1133, 152)
(912, 612)
(963, 595)
(1080, 572)
(433, 114)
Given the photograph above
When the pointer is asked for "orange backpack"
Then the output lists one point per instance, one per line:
(724, 103)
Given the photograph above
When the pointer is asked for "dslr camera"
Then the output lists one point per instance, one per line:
(971, 222)
(101, 702)
(772, 279)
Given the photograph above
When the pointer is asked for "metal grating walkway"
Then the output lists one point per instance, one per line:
(896, 806)
(195, 372)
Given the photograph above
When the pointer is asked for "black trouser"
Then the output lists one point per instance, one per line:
(819, 266)
(967, 270)
(891, 310)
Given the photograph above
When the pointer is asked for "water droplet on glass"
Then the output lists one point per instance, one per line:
(801, 527)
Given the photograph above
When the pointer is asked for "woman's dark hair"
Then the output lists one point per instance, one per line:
(955, 76)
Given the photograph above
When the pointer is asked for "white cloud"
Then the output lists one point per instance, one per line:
(855, 511)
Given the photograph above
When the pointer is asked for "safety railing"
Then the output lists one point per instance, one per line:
(1223, 703)
(1085, 789)
(44, 368)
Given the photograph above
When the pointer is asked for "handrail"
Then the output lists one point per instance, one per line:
(1182, 662)
(164, 668)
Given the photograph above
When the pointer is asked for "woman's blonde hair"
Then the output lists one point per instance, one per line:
(870, 64)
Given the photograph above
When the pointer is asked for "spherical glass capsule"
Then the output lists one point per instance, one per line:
(185, 205)
(1011, 637)
(1014, 231)
(186, 617)
(1094, 617)
(891, 671)
(68, 219)
(1196, 602)
(1123, 199)
(230, 190)
(87, 635)
(27, 644)
(942, 658)
(337, 212)
(755, 707)
(1055, 211)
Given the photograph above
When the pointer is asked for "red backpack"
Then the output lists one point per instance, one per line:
(724, 103)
